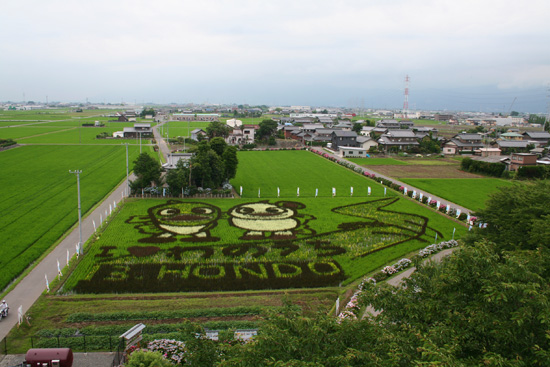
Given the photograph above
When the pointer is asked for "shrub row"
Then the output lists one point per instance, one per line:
(490, 169)
(165, 315)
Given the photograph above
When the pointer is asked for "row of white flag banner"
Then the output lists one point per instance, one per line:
(369, 191)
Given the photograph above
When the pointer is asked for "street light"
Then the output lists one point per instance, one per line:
(78, 172)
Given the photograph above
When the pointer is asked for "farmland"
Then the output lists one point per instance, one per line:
(41, 204)
(310, 243)
(288, 170)
(470, 193)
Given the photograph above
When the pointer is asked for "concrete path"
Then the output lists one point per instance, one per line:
(398, 279)
(409, 187)
(31, 287)
(163, 146)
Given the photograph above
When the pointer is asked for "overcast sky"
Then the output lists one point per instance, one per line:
(459, 54)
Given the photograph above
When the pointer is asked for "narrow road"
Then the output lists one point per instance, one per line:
(163, 146)
(28, 290)
(398, 279)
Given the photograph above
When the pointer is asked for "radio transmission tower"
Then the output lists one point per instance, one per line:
(406, 102)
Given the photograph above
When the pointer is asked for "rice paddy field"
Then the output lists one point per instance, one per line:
(40, 203)
(265, 171)
(471, 193)
(221, 261)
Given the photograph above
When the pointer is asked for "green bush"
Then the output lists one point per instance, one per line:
(147, 359)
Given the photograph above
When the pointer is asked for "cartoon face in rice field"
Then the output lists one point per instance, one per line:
(259, 218)
(189, 221)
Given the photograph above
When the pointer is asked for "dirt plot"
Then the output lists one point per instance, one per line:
(418, 171)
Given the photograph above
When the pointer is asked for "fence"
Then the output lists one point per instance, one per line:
(79, 343)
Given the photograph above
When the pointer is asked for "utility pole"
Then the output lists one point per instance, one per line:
(78, 172)
(127, 175)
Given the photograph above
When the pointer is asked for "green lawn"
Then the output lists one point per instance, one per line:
(39, 202)
(470, 193)
(16, 133)
(288, 170)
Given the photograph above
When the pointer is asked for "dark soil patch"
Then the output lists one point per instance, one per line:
(419, 171)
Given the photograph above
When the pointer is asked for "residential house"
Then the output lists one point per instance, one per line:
(463, 143)
(507, 146)
(394, 124)
(518, 160)
(366, 130)
(442, 117)
(291, 131)
(343, 138)
(366, 142)
(195, 134)
(249, 132)
(397, 140)
(143, 130)
(487, 152)
(311, 128)
(352, 152)
(422, 131)
(539, 138)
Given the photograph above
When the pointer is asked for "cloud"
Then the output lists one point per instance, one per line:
(171, 44)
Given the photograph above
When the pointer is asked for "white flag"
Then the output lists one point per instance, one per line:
(164, 191)
(448, 208)
(421, 196)
(337, 306)
(93, 222)
(351, 191)
(241, 191)
(106, 215)
(278, 192)
(77, 249)
(68, 257)
(438, 204)
(59, 269)
(414, 194)
(110, 209)
(100, 219)
(47, 283)
(468, 218)
(385, 191)
(298, 192)
(435, 237)
(405, 191)
(454, 230)
(114, 204)
(458, 212)
(334, 191)
(258, 192)
(316, 192)
(369, 190)
(429, 199)
(20, 314)
(470, 228)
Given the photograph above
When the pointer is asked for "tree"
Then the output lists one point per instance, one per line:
(231, 162)
(147, 359)
(267, 128)
(178, 178)
(218, 145)
(148, 171)
(514, 113)
(516, 214)
(216, 128)
(357, 127)
(478, 307)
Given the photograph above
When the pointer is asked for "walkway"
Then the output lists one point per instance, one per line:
(163, 146)
(398, 279)
(28, 290)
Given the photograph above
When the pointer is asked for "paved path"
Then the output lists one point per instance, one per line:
(31, 287)
(163, 146)
(409, 187)
(398, 279)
